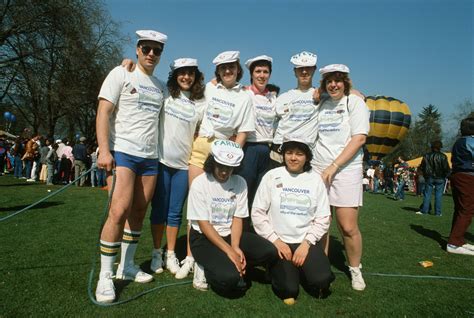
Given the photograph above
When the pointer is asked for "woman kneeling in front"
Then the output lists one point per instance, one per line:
(217, 203)
(291, 210)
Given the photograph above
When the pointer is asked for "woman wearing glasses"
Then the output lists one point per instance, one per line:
(127, 134)
(343, 125)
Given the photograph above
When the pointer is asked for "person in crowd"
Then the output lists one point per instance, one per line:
(229, 113)
(378, 178)
(462, 180)
(291, 210)
(403, 176)
(217, 203)
(257, 149)
(127, 135)
(182, 112)
(274, 89)
(67, 162)
(295, 108)
(31, 153)
(51, 159)
(44, 150)
(388, 179)
(18, 151)
(3, 155)
(435, 169)
(94, 170)
(420, 182)
(370, 174)
(80, 159)
(343, 125)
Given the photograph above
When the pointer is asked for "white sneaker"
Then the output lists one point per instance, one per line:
(453, 249)
(156, 264)
(171, 262)
(358, 282)
(30, 180)
(199, 280)
(105, 291)
(133, 273)
(187, 265)
(469, 246)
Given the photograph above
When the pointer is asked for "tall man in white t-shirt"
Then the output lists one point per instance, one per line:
(127, 134)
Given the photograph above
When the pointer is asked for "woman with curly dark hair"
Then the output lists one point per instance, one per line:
(180, 116)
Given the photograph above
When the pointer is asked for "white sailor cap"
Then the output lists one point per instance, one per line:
(183, 62)
(258, 58)
(334, 68)
(150, 35)
(227, 152)
(296, 138)
(226, 57)
(304, 59)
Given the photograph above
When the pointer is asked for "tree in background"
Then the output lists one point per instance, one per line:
(427, 128)
(462, 110)
(55, 55)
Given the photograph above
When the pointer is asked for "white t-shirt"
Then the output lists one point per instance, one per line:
(338, 121)
(228, 112)
(296, 110)
(138, 99)
(370, 172)
(265, 116)
(178, 121)
(294, 203)
(217, 202)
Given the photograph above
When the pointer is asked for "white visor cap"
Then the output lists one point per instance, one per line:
(227, 152)
(258, 58)
(304, 59)
(150, 35)
(226, 57)
(334, 68)
(183, 62)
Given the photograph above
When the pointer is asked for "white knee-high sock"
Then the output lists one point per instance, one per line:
(129, 247)
(108, 254)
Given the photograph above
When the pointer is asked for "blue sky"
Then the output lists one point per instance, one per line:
(420, 52)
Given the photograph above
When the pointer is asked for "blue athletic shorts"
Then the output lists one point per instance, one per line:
(141, 166)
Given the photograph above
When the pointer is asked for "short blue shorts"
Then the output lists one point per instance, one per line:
(141, 166)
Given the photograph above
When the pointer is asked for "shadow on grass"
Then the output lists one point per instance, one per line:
(336, 255)
(42, 205)
(17, 184)
(410, 209)
(432, 234)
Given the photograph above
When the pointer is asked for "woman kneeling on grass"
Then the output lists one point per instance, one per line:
(217, 203)
(291, 210)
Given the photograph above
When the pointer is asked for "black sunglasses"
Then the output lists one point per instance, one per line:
(156, 50)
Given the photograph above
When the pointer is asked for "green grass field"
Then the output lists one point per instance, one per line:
(46, 255)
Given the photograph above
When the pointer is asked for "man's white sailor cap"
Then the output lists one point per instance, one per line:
(150, 35)
(304, 59)
(227, 152)
(226, 57)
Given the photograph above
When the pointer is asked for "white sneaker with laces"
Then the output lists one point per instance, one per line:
(453, 249)
(133, 272)
(187, 265)
(358, 282)
(156, 264)
(105, 291)
(171, 262)
(199, 280)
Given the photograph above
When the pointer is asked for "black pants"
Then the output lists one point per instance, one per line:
(315, 274)
(220, 272)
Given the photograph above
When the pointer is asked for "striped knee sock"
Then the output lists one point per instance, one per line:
(108, 254)
(129, 246)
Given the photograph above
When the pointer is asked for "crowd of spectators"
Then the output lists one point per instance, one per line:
(42, 159)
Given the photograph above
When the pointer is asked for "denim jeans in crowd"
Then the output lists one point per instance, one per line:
(438, 184)
(400, 190)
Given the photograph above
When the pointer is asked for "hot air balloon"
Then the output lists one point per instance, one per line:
(389, 123)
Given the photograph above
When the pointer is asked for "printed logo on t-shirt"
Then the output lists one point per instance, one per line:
(265, 116)
(183, 109)
(301, 110)
(219, 110)
(294, 201)
(222, 210)
(330, 120)
(149, 98)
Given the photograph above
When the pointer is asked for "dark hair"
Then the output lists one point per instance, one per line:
(240, 71)
(436, 145)
(273, 88)
(197, 89)
(339, 76)
(259, 63)
(300, 146)
(467, 126)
